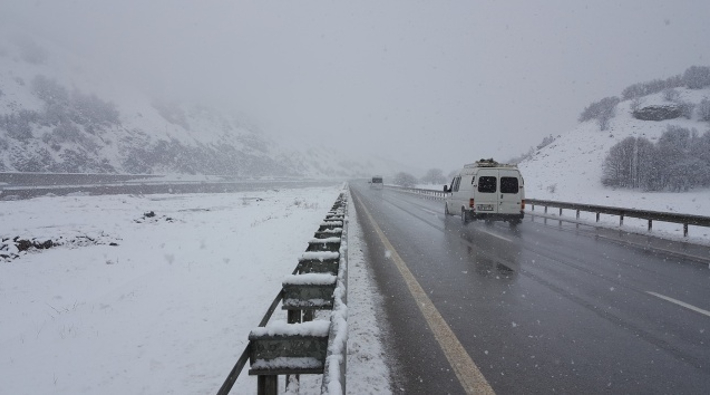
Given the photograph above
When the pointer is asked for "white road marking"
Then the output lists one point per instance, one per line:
(467, 372)
(498, 236)
(430, 211)
(484, 231)
(680, 303)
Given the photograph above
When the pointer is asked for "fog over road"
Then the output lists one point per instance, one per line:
(537, 308)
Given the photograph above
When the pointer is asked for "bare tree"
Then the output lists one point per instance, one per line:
(602, 111)
(697, 77)
(679, 161)
(405, 179)
(434, 176)
(704, 110)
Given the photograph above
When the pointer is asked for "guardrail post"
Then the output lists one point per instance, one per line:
(685, 229)
(577, 217)
(267, 385)
(308, 315)
(293, 317)
(545, 218)
(621, 219)
(649, 225)
(598, 214)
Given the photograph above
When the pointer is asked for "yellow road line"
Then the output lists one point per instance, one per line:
(469, 375)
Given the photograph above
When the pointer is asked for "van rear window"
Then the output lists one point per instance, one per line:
(487, 184)
(509, 185)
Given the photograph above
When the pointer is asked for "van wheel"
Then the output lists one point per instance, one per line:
(464, 217)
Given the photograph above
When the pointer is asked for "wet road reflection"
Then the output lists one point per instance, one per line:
(539, 308)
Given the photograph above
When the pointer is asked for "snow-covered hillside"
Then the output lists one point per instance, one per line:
(58, 114)
(570, 168)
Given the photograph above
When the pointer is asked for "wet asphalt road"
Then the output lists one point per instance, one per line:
(539, 309)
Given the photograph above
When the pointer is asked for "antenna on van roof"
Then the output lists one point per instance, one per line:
(490, 162)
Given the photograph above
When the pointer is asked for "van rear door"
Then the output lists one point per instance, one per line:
(486, 191)
(509, 194)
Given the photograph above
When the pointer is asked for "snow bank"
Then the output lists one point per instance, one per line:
(310, 279)
(279, 328)
(319, 255)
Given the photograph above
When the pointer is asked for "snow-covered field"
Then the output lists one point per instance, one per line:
(168, 308)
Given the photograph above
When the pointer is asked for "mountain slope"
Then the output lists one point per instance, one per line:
(59, 115)
(570, 168)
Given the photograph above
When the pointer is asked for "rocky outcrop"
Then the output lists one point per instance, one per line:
(658, 112)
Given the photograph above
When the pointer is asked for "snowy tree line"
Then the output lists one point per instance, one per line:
(405, 179)
(679, 161)
(69, 121)
(695, 77)
(433, 176)
(74, 126)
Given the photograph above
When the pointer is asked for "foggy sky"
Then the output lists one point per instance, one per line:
(427, 83)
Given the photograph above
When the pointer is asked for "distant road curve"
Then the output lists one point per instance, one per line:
(38, 179)
(18, 186)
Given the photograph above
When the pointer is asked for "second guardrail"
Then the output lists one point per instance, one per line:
(684, 219)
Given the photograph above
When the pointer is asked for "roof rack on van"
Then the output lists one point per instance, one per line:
(487, 163)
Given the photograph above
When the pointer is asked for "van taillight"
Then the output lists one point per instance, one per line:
(522, 204)
(470, 203)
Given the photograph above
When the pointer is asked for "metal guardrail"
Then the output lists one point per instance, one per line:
(650, 216)
(684, 219)
(334, 370)
(428, 192)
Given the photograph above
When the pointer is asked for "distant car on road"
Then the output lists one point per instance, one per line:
(376, 182)
(487, 190)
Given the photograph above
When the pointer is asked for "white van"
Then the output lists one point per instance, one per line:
(487, 190)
